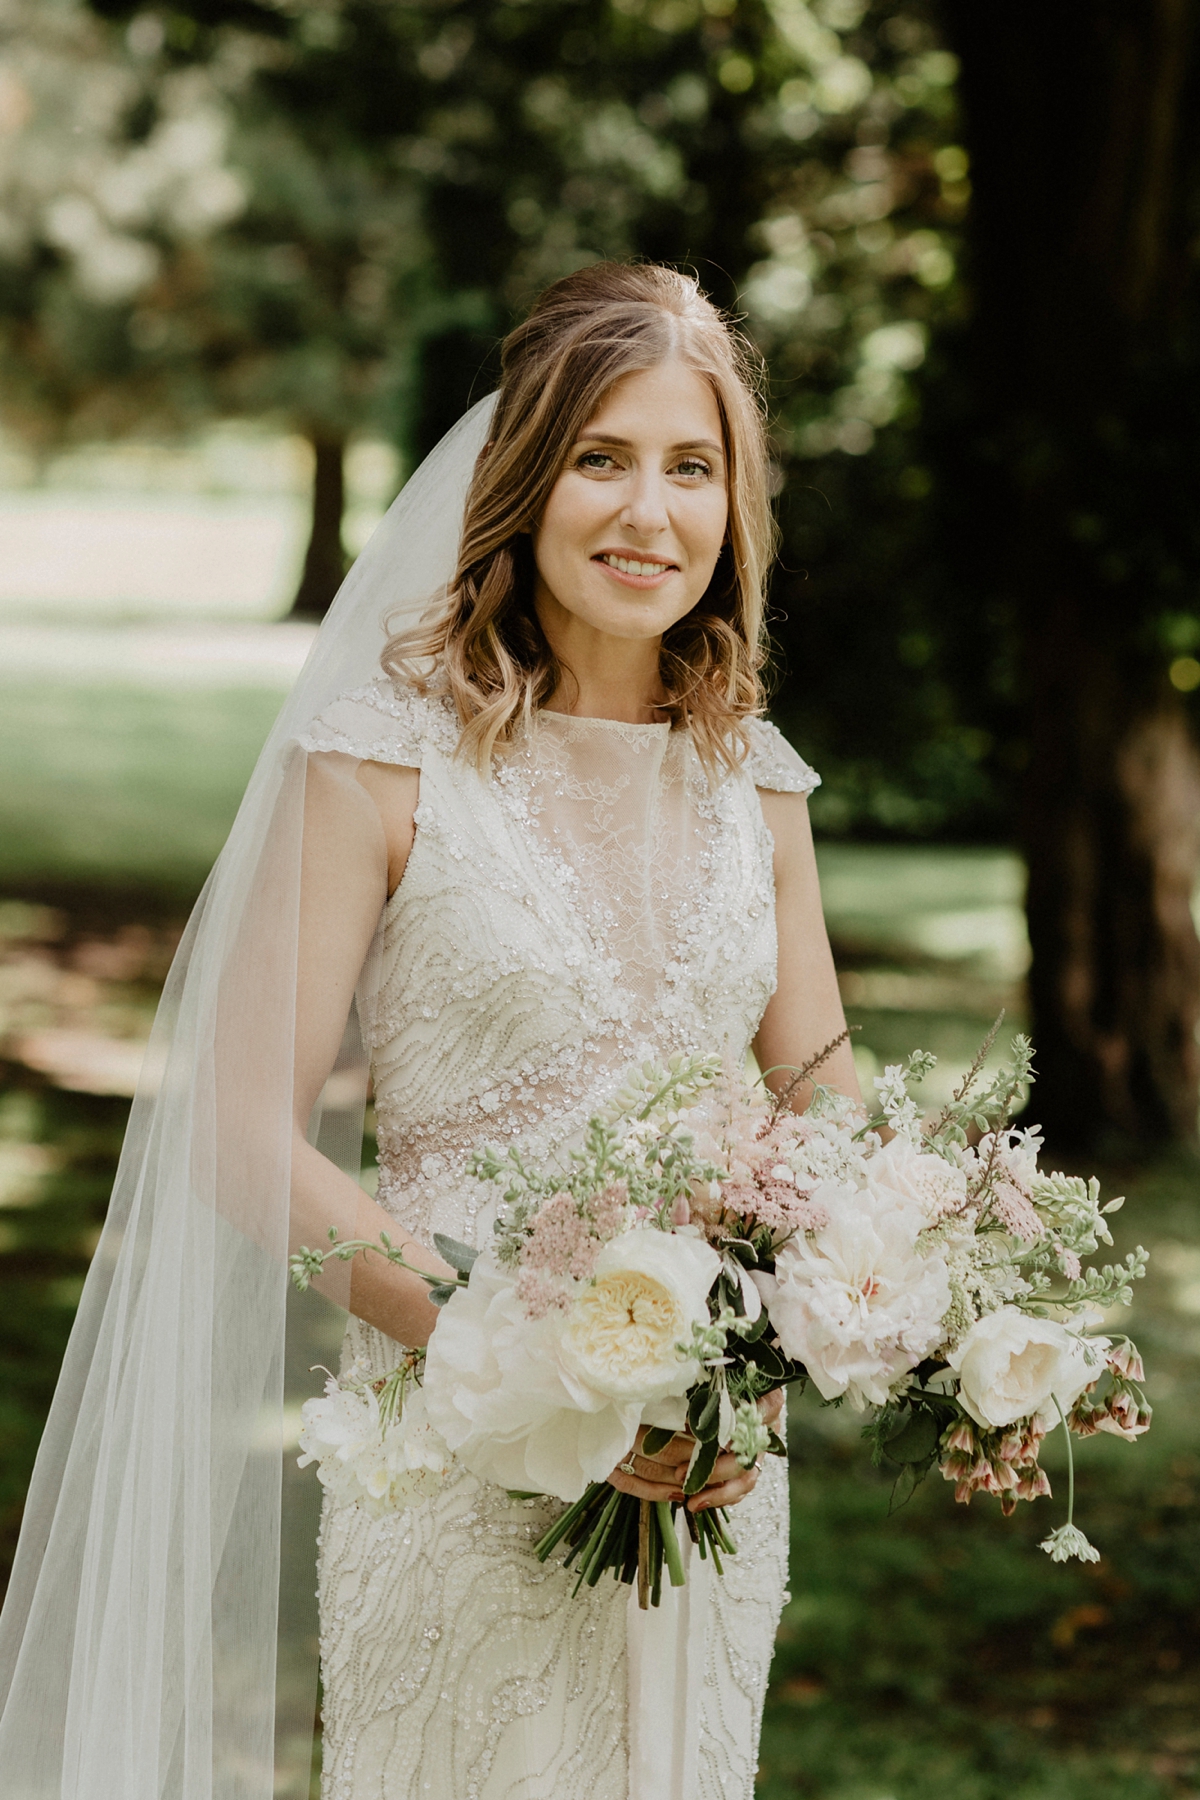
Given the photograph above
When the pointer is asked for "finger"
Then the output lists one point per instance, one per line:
(726, 1468)
(728, 1494)
(653, 1468)
(645, 1490)
(771, 1405)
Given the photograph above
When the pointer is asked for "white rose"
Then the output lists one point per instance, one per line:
(649, 1288)
(855, 1302)
(498, 1391)
(1013, 1367)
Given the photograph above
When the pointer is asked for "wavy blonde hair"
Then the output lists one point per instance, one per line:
(484, 646)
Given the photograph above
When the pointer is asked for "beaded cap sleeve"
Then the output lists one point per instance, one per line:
(382, 723)
(773, 764)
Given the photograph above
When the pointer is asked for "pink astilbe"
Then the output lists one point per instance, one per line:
(563, 1245)
(1016, 1211)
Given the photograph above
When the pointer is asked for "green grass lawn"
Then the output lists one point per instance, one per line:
(122, 787)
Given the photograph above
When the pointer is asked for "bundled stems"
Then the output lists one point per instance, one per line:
(607, 1529)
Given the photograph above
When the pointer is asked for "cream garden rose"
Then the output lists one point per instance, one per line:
(1011, 1366)
(548, 1405)
(650, 1287)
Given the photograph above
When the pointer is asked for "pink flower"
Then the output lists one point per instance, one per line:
(961, 1437)
(1068, 1262)
(1123, 1359)
(1015, 1211)
(1033, 1483)
(1122, 1416)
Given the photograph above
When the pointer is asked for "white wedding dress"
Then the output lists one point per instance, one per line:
(596, 903)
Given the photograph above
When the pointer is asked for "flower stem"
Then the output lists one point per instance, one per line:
(1070, 1464)
(670, 1542)
(643, 1562)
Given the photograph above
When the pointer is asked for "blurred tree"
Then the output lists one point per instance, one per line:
(541, 135)
(1075, 478)
(110, 179)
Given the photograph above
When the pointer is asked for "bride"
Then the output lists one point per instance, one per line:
(544, 836)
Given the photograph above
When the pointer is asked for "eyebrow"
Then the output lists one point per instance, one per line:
(606, 437)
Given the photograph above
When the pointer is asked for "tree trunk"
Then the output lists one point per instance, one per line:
(325, 558)
(1083, 127)
(1112, 838)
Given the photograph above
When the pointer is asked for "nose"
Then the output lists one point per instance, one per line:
(645, 511)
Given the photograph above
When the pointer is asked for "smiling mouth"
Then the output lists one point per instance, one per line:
(630, 565)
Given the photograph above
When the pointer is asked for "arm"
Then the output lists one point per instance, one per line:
(358, 829)
(805, 1011)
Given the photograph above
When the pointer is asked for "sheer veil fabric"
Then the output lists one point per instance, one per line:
(138, 1642)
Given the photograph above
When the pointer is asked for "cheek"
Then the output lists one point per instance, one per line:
(566, 524)
(706, 529)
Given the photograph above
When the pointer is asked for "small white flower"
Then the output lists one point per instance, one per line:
(1066, 1542)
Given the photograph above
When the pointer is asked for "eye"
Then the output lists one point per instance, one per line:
(599, 460)
(694, 467)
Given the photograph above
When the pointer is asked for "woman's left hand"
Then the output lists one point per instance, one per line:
(729, 1482)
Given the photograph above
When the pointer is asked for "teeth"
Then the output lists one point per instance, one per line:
(634, 568)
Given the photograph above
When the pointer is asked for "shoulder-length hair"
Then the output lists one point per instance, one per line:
(484, 647)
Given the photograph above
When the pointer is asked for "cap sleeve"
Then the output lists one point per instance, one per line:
(381, 723)
(773, 764)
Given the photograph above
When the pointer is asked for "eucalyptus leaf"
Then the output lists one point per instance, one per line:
(459, 1256)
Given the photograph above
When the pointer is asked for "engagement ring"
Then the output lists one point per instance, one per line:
(627, 1468)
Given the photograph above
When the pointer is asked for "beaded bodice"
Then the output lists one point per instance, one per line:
(597, 901)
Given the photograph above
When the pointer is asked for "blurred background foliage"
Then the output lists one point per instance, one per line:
(964, 239)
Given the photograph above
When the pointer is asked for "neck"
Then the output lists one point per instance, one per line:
(605, 677)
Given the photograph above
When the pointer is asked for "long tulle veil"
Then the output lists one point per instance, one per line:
(140, 1641)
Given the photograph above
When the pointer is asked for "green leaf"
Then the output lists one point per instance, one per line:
(704, 1412)
(907, 1482)
(459, 1256)
(439, 1295)
(702, 1467)
(656, 1439)
(916, 1439)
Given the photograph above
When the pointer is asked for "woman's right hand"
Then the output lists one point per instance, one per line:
(658, 1477)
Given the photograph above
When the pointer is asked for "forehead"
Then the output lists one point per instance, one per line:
(670, 403)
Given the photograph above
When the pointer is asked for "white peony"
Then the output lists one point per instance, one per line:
(1013, 1367)
(920, 1178)
(856, 1302)
(649, 1288)
(548, 1405)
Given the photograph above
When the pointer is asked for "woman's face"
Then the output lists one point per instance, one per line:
(633, 527)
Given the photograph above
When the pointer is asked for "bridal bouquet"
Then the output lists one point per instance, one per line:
(704, 1245)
